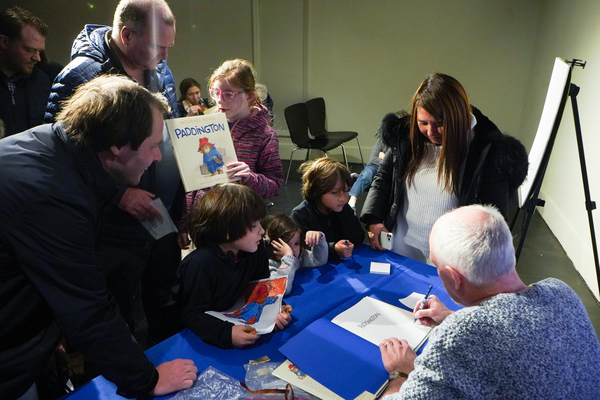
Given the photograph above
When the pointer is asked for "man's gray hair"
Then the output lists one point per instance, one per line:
(134, 14)
(481, 251)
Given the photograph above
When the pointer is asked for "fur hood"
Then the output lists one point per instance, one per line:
(506, 157)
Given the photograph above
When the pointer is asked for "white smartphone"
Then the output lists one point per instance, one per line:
(386, 240)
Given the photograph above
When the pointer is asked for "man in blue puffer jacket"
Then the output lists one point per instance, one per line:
(136, 46)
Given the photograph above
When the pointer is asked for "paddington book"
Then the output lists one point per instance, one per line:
(203, 147)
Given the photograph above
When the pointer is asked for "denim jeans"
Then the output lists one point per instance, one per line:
(364, 180)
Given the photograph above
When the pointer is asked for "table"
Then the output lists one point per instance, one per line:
(315, 293)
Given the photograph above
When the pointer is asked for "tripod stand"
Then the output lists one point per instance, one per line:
(534, 200)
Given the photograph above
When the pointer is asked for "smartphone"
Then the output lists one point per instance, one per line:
(386, 239)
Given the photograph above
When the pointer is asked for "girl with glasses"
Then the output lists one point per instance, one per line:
(233, 89)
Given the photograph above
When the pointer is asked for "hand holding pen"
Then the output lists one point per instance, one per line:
(344, 248)
(422, 306)
(433, 313)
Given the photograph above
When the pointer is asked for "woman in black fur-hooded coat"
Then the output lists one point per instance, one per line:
(484, 166)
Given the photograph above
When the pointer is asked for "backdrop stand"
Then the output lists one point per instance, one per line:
(534, 201)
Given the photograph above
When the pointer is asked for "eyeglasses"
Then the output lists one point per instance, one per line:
(288, 392)
(226, 96)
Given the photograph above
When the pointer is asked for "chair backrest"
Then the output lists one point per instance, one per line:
(316, 117)
(296, 117)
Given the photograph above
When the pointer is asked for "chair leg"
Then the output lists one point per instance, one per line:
(290, 166)
(344, 153)
(360, 151)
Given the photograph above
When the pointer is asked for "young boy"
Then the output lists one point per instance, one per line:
(325, 186)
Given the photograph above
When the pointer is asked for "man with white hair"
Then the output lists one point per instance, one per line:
(511, 340)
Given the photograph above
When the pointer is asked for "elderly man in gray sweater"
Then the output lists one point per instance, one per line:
(511, 341)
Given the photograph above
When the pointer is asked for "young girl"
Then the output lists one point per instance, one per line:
(286, 253)
(325, 186)
(225, 227)
(233, 88)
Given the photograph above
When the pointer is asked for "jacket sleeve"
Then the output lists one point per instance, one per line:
(317, 256)
(377, 203)
(61, 264)
(268, 177)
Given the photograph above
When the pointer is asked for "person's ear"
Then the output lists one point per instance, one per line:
(251, 98)
(126, 35)
(456, 277)
(4, 41)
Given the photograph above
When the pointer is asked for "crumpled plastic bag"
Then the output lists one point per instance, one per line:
(213, 384)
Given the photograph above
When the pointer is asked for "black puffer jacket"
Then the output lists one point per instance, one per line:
(496, 166)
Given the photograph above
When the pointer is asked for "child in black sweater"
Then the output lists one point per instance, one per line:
(325, 187)
(230, 253)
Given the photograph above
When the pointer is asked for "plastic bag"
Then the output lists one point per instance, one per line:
(213, 384)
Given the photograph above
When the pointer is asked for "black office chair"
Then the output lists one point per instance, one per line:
(316, 125)
(296, 117)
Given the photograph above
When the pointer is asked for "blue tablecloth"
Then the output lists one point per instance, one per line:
(315, 293)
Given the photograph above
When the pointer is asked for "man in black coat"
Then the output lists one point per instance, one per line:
(56, 183)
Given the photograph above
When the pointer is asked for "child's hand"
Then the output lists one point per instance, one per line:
(281, 248)
(312, 238)
(242, 335)
(283, 318)
(344, 248)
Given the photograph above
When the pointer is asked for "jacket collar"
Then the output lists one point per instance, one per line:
(104, 187)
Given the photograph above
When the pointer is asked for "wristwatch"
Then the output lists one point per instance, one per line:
(397, 374)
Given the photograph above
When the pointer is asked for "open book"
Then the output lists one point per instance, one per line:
(258, 307)
(375, 321)
(203, 147)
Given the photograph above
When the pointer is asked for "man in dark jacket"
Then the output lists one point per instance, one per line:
(57, 181)
(24, 89)
(136, 46)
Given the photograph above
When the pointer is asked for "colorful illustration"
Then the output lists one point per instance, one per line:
(212, 158)
(259, 298)
(258, 307)
(297, 371)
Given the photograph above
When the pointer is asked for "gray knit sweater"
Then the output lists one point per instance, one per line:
(538, 344)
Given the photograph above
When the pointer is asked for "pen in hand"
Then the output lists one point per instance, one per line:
(424, 301)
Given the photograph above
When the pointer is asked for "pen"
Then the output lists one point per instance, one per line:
(346, 243)
(424, 301)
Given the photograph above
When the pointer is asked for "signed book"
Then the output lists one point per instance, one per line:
(258, 307)
(203, 147)
(375, 321)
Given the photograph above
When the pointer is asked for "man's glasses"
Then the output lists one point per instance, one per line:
(226, 96)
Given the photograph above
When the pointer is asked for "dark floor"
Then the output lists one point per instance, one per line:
(542, 255)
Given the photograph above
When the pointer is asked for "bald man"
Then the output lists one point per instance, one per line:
(511, 340)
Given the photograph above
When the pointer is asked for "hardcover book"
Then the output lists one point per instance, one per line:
(203, 147)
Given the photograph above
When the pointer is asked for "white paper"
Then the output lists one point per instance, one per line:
(160, 226)
(380, 268)
(412, 299)
(374, 320)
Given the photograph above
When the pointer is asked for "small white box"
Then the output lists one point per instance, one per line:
(380, 268)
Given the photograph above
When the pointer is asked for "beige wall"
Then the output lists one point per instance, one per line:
(367, 59)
